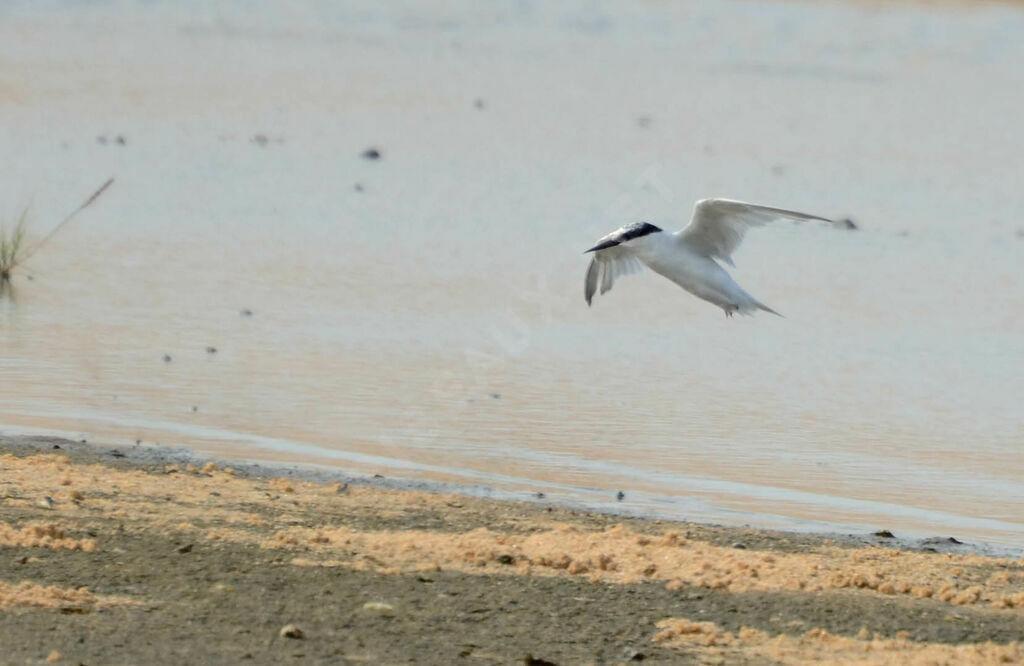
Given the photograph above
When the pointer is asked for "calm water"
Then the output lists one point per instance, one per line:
(430, 323)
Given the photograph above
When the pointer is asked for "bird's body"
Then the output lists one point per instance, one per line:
(687, 257)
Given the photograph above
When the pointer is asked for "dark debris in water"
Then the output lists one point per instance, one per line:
(942, 540)
(885, 534)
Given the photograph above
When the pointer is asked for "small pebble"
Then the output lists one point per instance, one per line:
(379, 607)
(46, 503)
(740, 545)
(291, 631)
(530, 660)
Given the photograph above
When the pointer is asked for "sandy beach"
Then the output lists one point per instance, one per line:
(132, 556)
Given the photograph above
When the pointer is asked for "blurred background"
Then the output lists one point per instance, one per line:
(349, 234)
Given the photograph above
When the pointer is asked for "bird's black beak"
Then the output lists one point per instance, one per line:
(603, 246)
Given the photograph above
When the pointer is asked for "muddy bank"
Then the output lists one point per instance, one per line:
(110, 559)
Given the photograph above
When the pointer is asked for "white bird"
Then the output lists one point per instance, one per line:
(687, 257)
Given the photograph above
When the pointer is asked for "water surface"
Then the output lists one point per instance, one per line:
(421, 315)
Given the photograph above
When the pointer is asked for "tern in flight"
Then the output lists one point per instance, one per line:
(688, 256)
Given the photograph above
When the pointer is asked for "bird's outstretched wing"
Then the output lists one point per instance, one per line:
(717, 226)
(609, 263)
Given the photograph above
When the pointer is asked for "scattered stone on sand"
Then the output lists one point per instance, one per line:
(632, 654)
(371, 154)
(740, 545)
(530, 660)
(187, 548)
(46, 503)
(379, 607)
(53, 657)
(291, 631)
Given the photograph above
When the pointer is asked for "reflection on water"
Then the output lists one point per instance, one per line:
(421, 315)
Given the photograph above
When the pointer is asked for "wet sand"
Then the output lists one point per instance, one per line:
(149, 555)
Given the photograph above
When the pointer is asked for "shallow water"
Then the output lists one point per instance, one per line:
(430, 323)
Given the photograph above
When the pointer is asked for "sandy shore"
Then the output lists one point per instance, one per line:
(124, 557)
